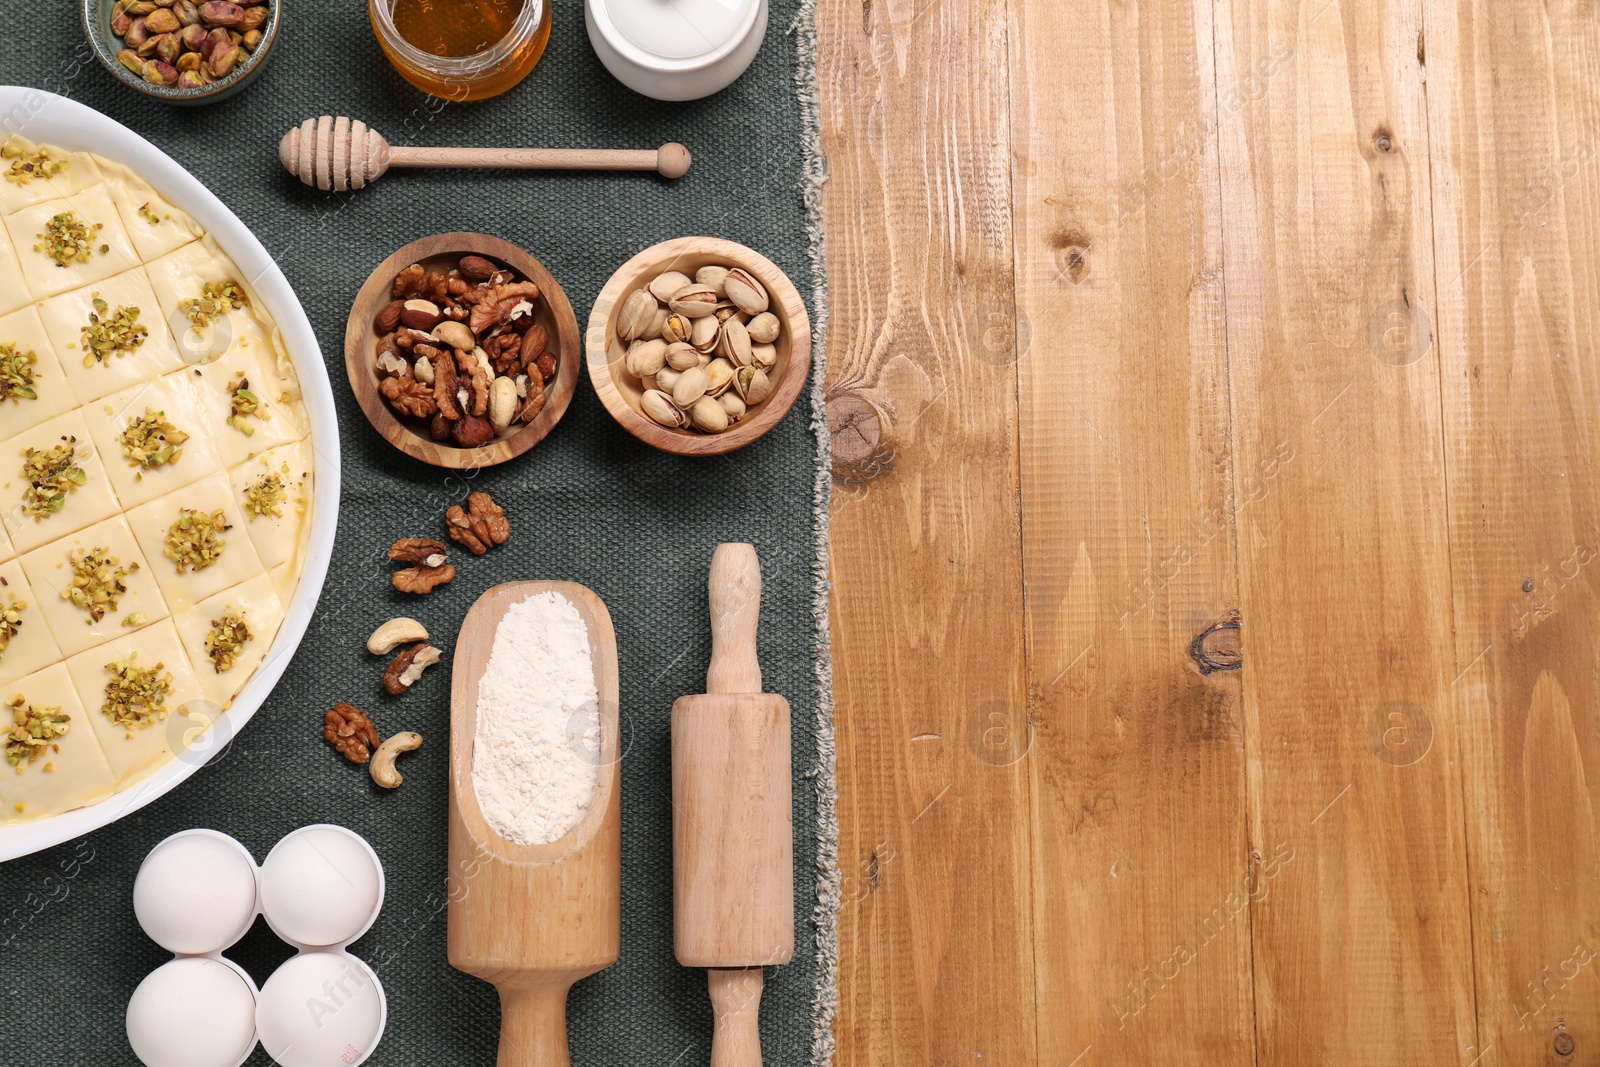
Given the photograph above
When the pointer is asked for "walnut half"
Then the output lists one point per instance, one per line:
(428, 569)
(350, 731)
(482, 526)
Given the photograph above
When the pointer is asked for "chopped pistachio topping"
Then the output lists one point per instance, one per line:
(148, 215)
(10, 621)
(265, 496)
(33, 731)
(51, 474)
(135, 695)
(116, 334)
(16, 373)
(26, 165)
(216, 298)
(97, 582)
(195, 539)
(151, 441)
(134, 619)
(68, 239)
(226, 640)
(245, 405)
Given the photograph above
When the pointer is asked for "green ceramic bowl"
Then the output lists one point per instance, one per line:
(97, 28)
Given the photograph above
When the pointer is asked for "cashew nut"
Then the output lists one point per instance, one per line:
(502, 403)
(396, 632)
(382, 764)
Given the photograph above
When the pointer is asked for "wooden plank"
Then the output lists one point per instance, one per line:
(1362, 950)
(1142, 871)
(1516, 135)
(936, 953)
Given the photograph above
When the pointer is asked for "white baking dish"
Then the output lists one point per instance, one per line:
(45, 117)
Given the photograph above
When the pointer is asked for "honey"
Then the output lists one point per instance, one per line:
(462, 49)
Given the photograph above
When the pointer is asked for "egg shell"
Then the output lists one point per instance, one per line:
(321, 1009)
(196, 892)
(193, 1012)
(321, 885)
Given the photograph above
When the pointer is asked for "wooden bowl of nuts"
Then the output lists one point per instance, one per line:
(698, 346)
(462, 350)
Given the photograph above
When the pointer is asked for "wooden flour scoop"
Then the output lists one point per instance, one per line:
(733, 817)
(533, 919)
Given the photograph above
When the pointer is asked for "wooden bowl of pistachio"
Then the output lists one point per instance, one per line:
(698, 346)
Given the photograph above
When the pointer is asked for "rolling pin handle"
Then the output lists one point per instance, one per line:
(533, 1026)
(735, 612)
(736, 1005)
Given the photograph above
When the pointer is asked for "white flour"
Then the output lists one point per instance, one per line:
(535, 757)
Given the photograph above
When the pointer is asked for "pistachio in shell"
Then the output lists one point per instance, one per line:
(763, 328)
(743, 289)
(676, 328)
(695, 301)
(664, 285)
(719, 375)
(681, 356)
(635, 315)
(691, 386)
(714, 276)
(752, 384)
(646, 357)
(660, 409)
(703, 335)
(733, 342)
(709, 415)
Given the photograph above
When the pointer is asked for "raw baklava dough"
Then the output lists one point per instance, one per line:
(155, 479)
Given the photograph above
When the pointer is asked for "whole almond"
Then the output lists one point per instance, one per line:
(533, 343)
(388, 320)
(476, 268)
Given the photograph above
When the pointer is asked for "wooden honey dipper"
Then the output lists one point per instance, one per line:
(336, 154)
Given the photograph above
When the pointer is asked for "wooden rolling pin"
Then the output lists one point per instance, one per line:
(533, 919)
(337, 154)
(733, 817)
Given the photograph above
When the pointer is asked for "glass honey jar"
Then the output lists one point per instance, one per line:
(462, 50)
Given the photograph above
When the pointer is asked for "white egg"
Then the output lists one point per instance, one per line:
(192, 1012)
(321, 885)
(321, 1009)
(196, 892)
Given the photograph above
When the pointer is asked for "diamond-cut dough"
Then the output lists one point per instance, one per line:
(134, 751)
(49, 571)
(81, 173)
(173, 395)
(66, 316)
(181, 276)
(34, 646)
(277, 539)
(258, 601)
(90, 502)
(80, 773)
(237, 562)
(92, 207)
(151, 240)
(25, 330)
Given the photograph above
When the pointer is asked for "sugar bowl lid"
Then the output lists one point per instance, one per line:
(681, 29)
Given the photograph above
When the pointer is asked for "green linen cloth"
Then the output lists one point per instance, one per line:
(589, 505)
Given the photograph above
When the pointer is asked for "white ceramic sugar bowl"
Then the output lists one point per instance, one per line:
(676, 49)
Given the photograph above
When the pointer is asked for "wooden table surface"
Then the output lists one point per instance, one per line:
(1216, 409)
